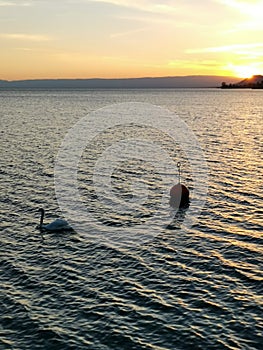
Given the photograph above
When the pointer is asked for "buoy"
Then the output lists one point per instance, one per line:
(179, 193)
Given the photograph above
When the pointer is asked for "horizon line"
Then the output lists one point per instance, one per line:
(129, 78)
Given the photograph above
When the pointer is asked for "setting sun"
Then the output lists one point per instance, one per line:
(244, 71)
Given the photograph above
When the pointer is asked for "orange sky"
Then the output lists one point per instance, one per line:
(129, 38)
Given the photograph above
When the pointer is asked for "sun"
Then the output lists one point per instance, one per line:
(244, 71)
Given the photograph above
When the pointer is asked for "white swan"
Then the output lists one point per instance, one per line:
(57, 225)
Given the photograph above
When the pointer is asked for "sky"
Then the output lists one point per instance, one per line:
(130, 38)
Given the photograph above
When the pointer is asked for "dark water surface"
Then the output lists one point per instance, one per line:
(196, 287)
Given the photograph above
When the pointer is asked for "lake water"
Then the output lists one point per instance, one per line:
(132, 277)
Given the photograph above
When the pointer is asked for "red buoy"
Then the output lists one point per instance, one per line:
(179, 196)
(179, 193)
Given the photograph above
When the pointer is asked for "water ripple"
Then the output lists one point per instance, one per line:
(188, 288)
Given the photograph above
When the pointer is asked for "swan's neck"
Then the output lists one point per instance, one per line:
(42, 217)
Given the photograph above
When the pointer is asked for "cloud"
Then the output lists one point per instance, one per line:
(229, 48)
(5, 3)
(253, 9)
(20, 36)
(129, 32)
(143, 5)
(204, 64)
(15, 3)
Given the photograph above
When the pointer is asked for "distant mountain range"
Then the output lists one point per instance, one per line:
(194, 81)
(255, 82)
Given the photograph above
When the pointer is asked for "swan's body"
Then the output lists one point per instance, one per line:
(57, 225)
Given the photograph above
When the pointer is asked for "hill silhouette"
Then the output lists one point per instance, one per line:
(255, 82)
(194, 81)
